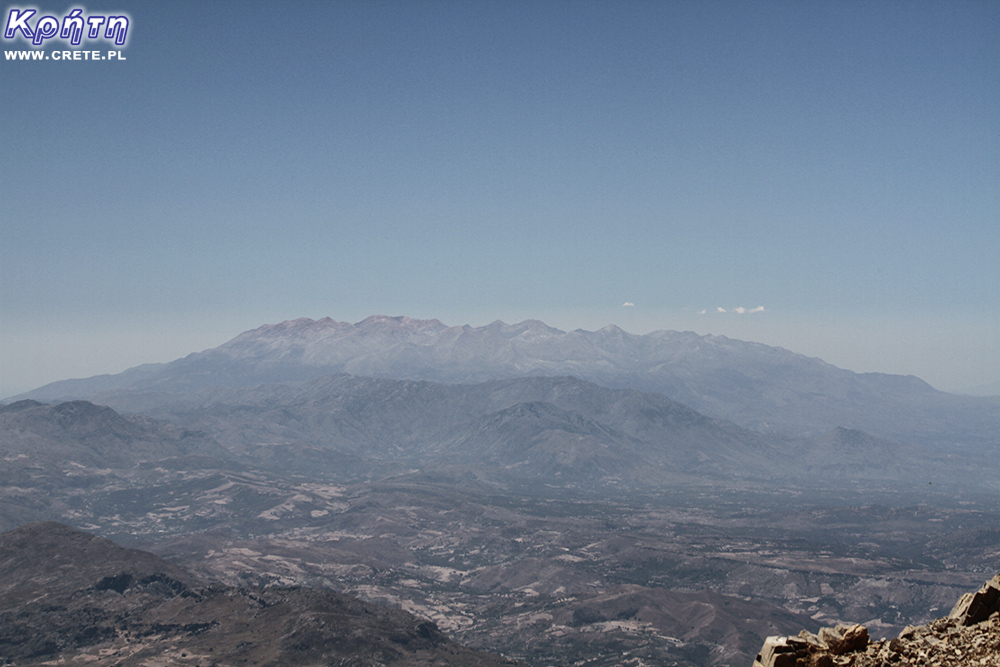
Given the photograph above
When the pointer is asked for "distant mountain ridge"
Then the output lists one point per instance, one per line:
(88, 434)
(559, 431)
(754, 385)
(532, 427)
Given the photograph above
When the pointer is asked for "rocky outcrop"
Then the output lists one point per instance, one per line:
(968, 637)
(976, 607)
(809, 650)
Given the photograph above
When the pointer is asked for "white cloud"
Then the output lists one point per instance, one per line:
(628, 303)
(702, 311)
(739, 310)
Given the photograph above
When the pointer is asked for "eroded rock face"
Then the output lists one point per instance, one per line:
(943, 643)
(809, 650)
(976, 607)
(968, 637)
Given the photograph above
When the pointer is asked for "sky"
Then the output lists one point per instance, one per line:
(819, 175)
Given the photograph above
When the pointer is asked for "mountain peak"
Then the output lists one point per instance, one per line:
(95, 435)
(535, 328)
(752, 384)
(298, 326)
(399, 322)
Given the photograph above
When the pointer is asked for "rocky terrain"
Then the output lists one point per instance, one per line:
(968, 637)
(67, 597)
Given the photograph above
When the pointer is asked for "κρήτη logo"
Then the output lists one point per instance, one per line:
(29, 24)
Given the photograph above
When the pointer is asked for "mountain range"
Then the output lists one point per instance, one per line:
(526, 430)
(556, 497)
(756, 386)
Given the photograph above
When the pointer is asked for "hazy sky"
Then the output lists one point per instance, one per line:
(836, 163)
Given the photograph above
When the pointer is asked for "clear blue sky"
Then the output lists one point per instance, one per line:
(837, 163)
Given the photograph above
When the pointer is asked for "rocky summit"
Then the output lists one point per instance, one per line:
(968, 637)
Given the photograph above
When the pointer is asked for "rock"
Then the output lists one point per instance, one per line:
(812, 639)
(809, 650)
(776, 653)
(976, 607)
(852, 638)
(968, 637)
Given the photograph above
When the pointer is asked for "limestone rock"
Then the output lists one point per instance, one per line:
(968, 637)
(976, 607)
(809, 650)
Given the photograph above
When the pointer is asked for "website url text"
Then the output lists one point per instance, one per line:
(40, 54)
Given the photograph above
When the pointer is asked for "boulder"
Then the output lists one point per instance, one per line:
(976, 607)
(809, 650)
(846, 638)
(776, 652)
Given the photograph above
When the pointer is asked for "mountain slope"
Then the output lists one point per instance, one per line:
(529, 427)
(92, 435)
(553, 429)
(757, 386)
(69, 595)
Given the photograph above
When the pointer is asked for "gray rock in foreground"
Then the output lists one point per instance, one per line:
(969, 636)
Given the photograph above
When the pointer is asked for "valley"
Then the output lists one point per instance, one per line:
(692, 576)
(552, 520)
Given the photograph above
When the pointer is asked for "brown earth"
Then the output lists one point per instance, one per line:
(67, 597)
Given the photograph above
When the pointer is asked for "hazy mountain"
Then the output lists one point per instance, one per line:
(757, 386)
(556, 430)
(91, 435)
(989, 389)
(65, 594)
(846, 454)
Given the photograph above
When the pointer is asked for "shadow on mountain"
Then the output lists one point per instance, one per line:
(65, 594)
